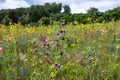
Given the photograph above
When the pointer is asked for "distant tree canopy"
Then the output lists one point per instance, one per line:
(52, 11)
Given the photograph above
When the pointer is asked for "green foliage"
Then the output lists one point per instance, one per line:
(25, 19)
(34, 13)
(6, 21)
(44, 21)
(67, 9)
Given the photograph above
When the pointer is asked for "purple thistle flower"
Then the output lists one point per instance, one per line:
(36, 51)
(62, 38)
(83, 64)
(68, 41)
(83, 57)
(44, 39)
(61, 53)
(90, 54)
(61, 31)
(48, 45)
(57, 34)
(57, 40)
(35, 46)
(63, 25)
(64, 31)
(59, 20)
(48, 61)
(46, 54)
(57, 65)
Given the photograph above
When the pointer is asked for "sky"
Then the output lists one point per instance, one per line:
(77, 6)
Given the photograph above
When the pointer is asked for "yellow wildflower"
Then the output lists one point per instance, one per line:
(89, 19)
(118, 39)
(52, 66)
(118, 46)
(40, 61)
(52, 74)
(78, 40)
(73, 44)
(76, 22)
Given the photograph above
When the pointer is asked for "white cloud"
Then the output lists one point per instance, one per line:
(13, 4)
(101, 5)
(77, 6)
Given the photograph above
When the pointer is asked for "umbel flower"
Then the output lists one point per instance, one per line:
(22, 57)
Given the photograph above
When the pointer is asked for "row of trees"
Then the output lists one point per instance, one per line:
(48, 13)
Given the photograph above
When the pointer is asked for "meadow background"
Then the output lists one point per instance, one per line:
(81, 52)
(56, 49)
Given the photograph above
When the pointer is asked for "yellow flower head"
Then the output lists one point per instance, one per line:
(52, 75)
(118, 39)
(118, 46)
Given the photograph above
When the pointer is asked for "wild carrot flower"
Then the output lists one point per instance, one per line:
(103, 71)
(22, 57)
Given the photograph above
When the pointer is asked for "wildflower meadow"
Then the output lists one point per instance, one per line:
(60, 52)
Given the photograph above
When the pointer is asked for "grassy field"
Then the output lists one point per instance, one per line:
(81, 52)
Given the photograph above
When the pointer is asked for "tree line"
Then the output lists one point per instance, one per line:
(50, 12)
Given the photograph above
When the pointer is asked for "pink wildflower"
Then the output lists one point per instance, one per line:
(0, 48)
(68, 56)
(51, 42)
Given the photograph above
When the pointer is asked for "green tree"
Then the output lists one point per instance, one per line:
(44, 21)
(24, 19)
(93, 13)
(67, 9)
(6, 21)
(12, 14)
